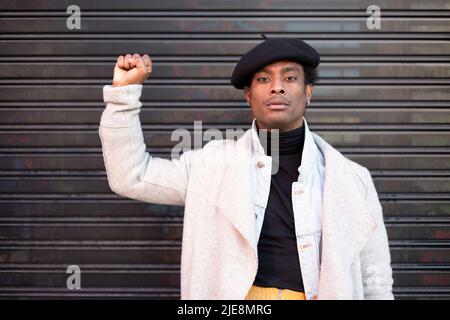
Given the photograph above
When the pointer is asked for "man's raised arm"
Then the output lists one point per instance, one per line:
(132, 172)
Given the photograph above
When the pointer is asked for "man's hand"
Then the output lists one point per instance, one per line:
(131, 69)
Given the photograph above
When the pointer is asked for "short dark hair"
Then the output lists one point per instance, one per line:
(311, 75)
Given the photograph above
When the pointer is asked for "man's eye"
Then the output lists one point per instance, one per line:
(292, 78)
(263, 79)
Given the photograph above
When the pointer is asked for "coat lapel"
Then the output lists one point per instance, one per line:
(347, 224)
(235, 196)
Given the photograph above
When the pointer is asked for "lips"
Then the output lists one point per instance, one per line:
(277, 104)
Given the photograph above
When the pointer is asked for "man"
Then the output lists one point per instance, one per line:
(312, 229)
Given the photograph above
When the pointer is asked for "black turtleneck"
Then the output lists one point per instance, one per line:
(279, 265)
(290, 142)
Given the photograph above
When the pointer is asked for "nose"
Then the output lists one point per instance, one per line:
(277, 87)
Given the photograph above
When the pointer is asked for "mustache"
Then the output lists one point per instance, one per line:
(277, 100)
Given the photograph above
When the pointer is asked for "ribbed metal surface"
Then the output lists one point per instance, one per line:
(383, 100)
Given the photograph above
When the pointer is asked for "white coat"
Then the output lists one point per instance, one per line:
(219, 256)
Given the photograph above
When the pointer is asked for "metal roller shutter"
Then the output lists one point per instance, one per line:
(383, 100)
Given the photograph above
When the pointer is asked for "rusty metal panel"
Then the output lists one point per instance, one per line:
(382, 99)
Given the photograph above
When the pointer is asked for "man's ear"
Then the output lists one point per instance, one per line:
(309, 90)
(247, 94)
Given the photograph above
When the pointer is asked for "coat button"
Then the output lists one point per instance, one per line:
(260, 164)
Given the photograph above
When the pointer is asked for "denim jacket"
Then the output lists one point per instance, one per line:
(306, 202)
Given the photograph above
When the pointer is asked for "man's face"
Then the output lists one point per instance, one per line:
(277, 96)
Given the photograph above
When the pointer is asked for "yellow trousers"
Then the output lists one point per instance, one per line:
(263, 293)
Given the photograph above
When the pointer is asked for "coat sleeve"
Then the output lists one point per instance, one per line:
(375, 256)
(131, 171)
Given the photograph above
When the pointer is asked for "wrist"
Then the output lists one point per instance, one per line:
(118, 84)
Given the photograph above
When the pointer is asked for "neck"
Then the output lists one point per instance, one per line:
(290, 142)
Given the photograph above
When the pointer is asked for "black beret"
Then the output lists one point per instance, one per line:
(269, 51)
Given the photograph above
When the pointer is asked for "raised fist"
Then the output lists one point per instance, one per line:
(131, 69)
